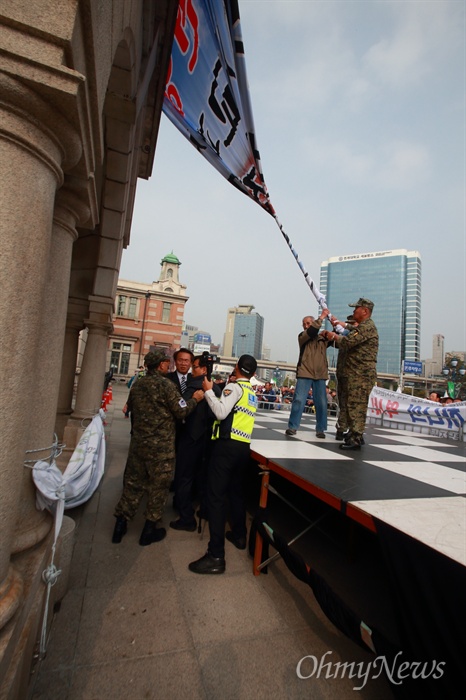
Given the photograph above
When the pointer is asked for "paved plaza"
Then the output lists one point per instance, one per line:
(136, 623)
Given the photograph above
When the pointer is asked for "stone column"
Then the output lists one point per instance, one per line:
(35, 144)
(91, 378)
(68, 370)
(32, 524)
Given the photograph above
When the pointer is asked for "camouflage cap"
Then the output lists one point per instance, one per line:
(154, 358)
(367, 303)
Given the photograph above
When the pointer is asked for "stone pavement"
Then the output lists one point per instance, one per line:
(136, 623)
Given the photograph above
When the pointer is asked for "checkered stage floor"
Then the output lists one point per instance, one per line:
(415, 483)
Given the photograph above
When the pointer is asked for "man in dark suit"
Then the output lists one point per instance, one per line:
(193, 442)
(183, 360)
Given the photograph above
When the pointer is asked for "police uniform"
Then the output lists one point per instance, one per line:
(155, 405)
(231, 437)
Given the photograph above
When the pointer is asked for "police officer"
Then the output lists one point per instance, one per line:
(361, 346)
(231, 435)
(155, 404)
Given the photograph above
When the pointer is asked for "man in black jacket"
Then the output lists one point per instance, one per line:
(183, 359)
(193, 442)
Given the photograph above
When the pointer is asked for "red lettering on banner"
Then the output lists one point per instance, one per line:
(392, 408)
(187, 15)
(377, 405)
(171, 91)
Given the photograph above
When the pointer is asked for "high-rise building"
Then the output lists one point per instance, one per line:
(438, 353)
(392, 280)
(244, 332)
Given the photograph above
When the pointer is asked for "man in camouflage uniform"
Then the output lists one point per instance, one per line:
(361, 346)
(342, 378)
(155, 405)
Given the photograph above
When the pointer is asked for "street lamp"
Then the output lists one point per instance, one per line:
(141, 343)
(454, 386)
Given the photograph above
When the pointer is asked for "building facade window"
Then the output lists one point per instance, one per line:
(166, 311)
(119, 361)
(121, 305)
(126, 306)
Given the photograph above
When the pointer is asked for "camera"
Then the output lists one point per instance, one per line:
(208, 360)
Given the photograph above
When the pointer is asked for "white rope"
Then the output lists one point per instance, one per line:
(51, 574)
(57, 496)
(55, 449)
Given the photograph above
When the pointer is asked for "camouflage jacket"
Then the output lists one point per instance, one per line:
(360, 347)
(155, 405)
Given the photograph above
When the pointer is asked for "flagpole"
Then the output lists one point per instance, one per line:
(320, 298)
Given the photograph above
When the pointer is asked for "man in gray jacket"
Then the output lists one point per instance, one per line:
(311, 373)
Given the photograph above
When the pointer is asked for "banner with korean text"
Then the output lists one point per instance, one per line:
(389, 409)
(207, 99)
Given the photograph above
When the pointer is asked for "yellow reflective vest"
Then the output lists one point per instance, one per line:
(239, 423)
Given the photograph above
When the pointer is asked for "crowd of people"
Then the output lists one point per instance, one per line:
(185, 424)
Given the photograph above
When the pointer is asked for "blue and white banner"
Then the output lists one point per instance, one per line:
(207, 98)
(393, 410)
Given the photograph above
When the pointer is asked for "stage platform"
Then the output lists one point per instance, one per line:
(410, 491)
(414, 483)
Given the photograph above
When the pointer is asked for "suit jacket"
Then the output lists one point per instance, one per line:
(202, 418)
(173, 377)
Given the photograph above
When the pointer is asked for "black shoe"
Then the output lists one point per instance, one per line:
(290, 431)
(339, 435)
(120, 530)
(320, 435)
(180, 525)
(350, 445)
(151, 533)
(208, 565)
(239, 542)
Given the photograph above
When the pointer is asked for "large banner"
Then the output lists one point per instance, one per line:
(207, 98)
(390, 409)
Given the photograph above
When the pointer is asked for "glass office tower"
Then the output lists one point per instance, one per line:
(244, 332)
(392, 280)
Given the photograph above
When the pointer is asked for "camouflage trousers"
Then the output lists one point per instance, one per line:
(357, 391)
(145, 474)
(342, 396)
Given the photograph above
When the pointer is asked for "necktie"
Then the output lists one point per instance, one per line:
(183, 384)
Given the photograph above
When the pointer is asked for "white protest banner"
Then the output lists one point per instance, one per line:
(404, 412)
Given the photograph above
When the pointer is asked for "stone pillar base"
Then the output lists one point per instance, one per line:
(71, 436)
(19, 637)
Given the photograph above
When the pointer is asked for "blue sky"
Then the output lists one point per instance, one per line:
(359, 109)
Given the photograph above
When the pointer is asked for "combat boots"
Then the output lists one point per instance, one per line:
(151, 533)
(352, 442)
(121, 527)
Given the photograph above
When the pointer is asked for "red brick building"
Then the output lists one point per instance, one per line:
(146, 316)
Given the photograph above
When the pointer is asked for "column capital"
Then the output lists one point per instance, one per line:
(98, 327)
(71, 209)
(37, 126)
